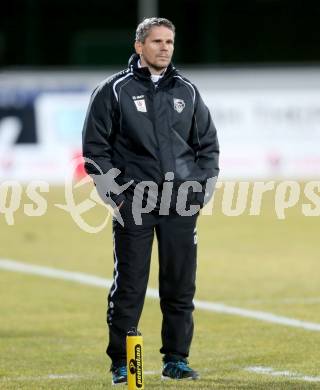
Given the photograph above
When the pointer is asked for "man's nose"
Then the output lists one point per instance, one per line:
(164, 47)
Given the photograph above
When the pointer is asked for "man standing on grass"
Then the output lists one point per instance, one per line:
(150, 123)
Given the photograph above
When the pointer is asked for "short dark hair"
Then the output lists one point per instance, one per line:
(146, 25)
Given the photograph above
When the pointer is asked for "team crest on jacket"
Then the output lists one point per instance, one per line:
(178, 105)
(140, 103)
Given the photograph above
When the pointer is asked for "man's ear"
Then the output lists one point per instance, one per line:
(138, 47)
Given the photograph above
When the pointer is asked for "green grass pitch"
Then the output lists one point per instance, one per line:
(53, 332)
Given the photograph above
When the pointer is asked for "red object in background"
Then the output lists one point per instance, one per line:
(79, 172)
(274, 159)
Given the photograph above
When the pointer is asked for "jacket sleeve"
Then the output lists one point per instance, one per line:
(97, 131)
(204, 139)
(96, 135)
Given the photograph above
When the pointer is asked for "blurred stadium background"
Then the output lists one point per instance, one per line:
(257, 65)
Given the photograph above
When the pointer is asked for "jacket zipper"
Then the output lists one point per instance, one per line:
(154, 92)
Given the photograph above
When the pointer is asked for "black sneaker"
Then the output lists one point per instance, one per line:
(178, 370)
(119, 375)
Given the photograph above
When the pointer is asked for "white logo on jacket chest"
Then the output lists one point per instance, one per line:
(178, 105)
(140, 103)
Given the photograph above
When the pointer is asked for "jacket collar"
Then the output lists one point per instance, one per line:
(144, 73)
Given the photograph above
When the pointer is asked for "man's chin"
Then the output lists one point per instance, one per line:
(161, 65)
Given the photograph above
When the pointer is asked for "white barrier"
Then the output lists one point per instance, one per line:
(266, 130)
(268, 133)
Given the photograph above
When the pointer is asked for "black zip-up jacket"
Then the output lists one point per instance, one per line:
(147, 130)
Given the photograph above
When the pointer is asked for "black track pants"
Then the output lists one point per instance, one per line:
(177, 247)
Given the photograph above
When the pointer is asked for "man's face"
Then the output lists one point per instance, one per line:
(157, 49)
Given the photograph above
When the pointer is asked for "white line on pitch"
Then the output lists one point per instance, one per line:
(91, 280)
(44, 377)
(287, 374)
(59, 376)
(282, 301)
